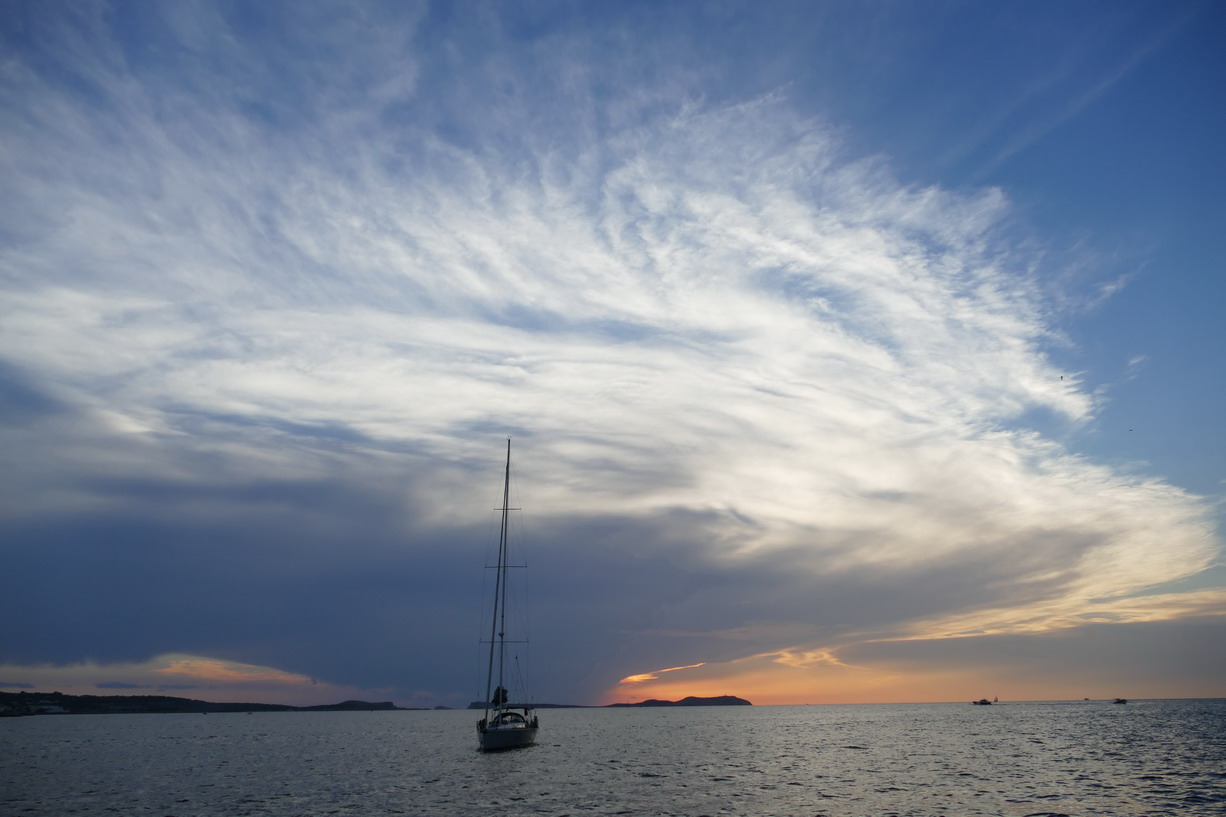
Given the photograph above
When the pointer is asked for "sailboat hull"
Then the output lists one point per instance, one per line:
(497, 738)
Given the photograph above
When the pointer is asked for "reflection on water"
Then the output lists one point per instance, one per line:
(1149, 757)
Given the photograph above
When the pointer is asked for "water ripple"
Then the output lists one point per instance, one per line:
(1018, 760)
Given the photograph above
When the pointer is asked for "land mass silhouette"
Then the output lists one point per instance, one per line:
(718, 700)
(57, 703)
(38, 703)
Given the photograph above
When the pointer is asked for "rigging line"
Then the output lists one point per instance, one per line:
(485, 613)
(522, 610)
(498, 622)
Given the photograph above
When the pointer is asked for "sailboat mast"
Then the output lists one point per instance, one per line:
(498, 622)
(502, 569)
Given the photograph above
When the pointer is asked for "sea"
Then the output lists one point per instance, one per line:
(1150, 757)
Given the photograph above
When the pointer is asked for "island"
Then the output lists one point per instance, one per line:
(718, 700)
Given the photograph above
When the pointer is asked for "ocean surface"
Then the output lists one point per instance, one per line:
(1077, 758)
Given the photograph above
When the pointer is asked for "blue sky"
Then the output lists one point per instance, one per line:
(851, 351)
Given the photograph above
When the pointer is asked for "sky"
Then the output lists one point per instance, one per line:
(850, 352)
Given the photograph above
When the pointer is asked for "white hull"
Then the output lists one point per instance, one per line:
(509, 737)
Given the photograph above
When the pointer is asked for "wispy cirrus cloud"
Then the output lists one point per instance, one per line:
(1102, 82)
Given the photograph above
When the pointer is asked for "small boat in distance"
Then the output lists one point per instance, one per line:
(982, 702)
(506, 725)
(1120, 701)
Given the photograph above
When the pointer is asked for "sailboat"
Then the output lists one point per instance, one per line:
(506, 725)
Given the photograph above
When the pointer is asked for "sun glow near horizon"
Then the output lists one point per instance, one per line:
(764, 681)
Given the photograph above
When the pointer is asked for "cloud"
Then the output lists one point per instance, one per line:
(207, 669)
(1081, 67)
(203, 677)
(263, 341)
(654, 674)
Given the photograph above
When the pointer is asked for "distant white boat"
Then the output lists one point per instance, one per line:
(506, 725)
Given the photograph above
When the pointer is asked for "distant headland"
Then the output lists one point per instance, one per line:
(718, 700)
(56, 703)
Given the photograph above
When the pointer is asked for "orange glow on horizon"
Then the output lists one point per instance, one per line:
(771, 682)
(211, 669)
(213, 679)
